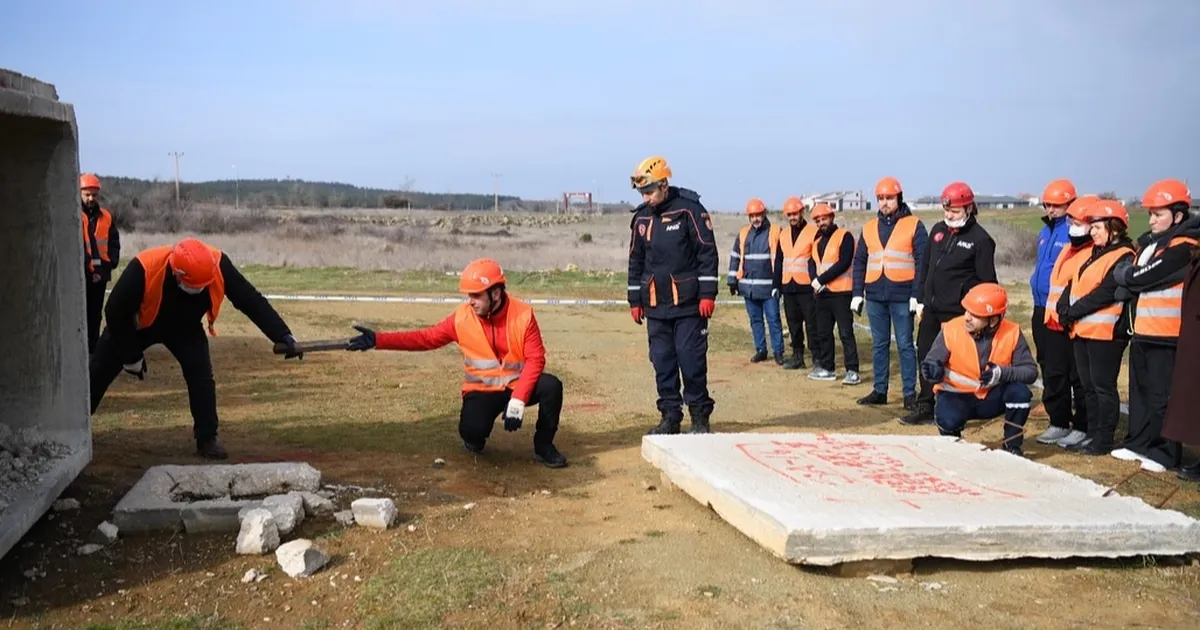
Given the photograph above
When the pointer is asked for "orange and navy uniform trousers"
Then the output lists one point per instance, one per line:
(672, 267)
(147, 307)
(101, 254)
(503, 358)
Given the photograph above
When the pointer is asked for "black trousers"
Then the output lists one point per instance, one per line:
(1099, 364)
(799, 310)
(480, 410)
(95, 311)
(834, 308)
(1150, 368)
(190, 349)
(680, 347)
(927, 332)
(1062, 391)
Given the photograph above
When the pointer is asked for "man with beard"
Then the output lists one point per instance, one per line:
(794, 281)
(101, 252)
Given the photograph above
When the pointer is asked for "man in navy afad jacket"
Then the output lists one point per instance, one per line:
(752, 276)
(887, 266)
(673, 286)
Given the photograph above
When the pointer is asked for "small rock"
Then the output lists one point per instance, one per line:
(31, 573)
(374, 513)
(258, 534)
(315, 504)
(647, 486)
(708, 594)
(439, 463)
(326, 494)
(89, 549)
(105, 533)
(469, 506)
(886, 579)
(288, 510)
(20, 601)
(299, 558)
(252, 575)
(545, 493)
(412, 528)
(62, 505)
(887, 589)
(932, 586)
(345, 517)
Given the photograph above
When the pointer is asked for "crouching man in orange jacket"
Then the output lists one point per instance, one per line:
(503, 361)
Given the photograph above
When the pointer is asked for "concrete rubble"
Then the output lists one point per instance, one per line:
(105, 533)
(374, 513)
(299, 558)
(25, 456)
(258, 533)
(287, 509)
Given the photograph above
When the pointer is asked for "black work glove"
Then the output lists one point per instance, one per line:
(137, 368)
(933, 371)
(364, 341)
(1123, 273)
(733, 289)
(291, 353)
(1063, 318)
(1122, 294)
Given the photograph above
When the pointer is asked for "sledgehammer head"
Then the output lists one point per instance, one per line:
(315, 346)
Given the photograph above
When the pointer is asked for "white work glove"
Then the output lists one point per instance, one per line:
(514, 414)
(775, 294)
(817, 286)
(856, 304)
(990, 376)
(915, 307)
(137, 369)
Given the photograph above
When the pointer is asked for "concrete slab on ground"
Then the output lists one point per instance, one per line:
(826, 499)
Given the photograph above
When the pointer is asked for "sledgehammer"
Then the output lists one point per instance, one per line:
(319, 345)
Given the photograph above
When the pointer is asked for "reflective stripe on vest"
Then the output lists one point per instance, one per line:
(963, 369)
(1069, 260)
(103, 228)
(1159, 313)
(154, 266)
(1100, 324)
(796, 254)
(742, 256)
(833, 248)
(482, 369)
(895, 260)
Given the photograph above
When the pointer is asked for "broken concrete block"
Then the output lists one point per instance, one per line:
(299, 558)
(345, 517)
(265, 479)
(258, 534)
(374, 513)
(315, 504)
(288, 510)
(105, 534)
(89, 549)
(63, 505)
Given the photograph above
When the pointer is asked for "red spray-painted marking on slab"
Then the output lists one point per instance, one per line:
(832, 462)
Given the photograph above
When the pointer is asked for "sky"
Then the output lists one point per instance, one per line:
(745, 98)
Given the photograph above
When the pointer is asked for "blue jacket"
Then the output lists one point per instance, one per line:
(885, 290)
(1051, 240)
(757, 277)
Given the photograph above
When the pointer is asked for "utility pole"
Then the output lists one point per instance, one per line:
(236, 191)
(177, 156)
(496, 192)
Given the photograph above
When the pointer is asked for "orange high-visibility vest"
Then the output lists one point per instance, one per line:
(963, 370)
(103, 227)
(154, 264)
(895, 260)
(833, 248)
(796, 254)
(483, 371)
(772, 245)
(1158, 313)
(1069, 260)
(1100, 325)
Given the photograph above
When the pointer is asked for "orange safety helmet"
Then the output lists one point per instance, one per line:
(821, 209)
(756, 206)
(193, 263)
(1165, 192)
(480, 275)
(649, 171)
(793, 205)
(958, 195)
(88, 180)
(986, 300)
(888, 187)
(1078, 208)
(1059, 192)
(1103, 209)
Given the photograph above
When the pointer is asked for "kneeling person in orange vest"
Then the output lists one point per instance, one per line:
(503, 361)
(982, 368)
(160, 298)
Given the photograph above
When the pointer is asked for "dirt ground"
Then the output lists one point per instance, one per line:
(595, 545)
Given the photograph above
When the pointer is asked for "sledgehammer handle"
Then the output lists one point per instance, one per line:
(314, 346)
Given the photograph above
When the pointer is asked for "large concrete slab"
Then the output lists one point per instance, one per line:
(829, 499)
(43, 335)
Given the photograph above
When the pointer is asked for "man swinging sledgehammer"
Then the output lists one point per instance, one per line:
(982, 368)
(503, 361)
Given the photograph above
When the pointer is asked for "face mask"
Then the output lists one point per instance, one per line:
(191, 290)
(1077, 231)
(1080, 241)
(957, 224)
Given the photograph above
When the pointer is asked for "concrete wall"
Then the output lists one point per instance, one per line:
(43, 334)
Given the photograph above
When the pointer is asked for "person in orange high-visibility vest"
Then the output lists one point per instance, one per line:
(1155, 280)
(982, 368)
(503, 358)
(1062, 391)
(833, 284)
(752, 276)
(794, 282)
(161, 297)
(1095, 316)
(101, 252)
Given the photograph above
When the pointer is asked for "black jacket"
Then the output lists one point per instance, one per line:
(1101, 296)
(955, 261)
(672, 250)
(181, 313)
(790, 233)
(845, 258)
(1169, 265)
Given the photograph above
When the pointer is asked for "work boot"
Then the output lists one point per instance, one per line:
(874, 398)
(795, 363)
(211, 449)
(549, 456)
(1015, 450)
(1189, 473)
(474, 447)
(910, 402)
(700, 424)
(922, 414)
(669, 425)
(759, 356)
(779, 359)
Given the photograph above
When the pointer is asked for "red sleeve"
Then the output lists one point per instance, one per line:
(535, 363)
(430, 338)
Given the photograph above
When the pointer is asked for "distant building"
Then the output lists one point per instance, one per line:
(984, 202)
(840, 200)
